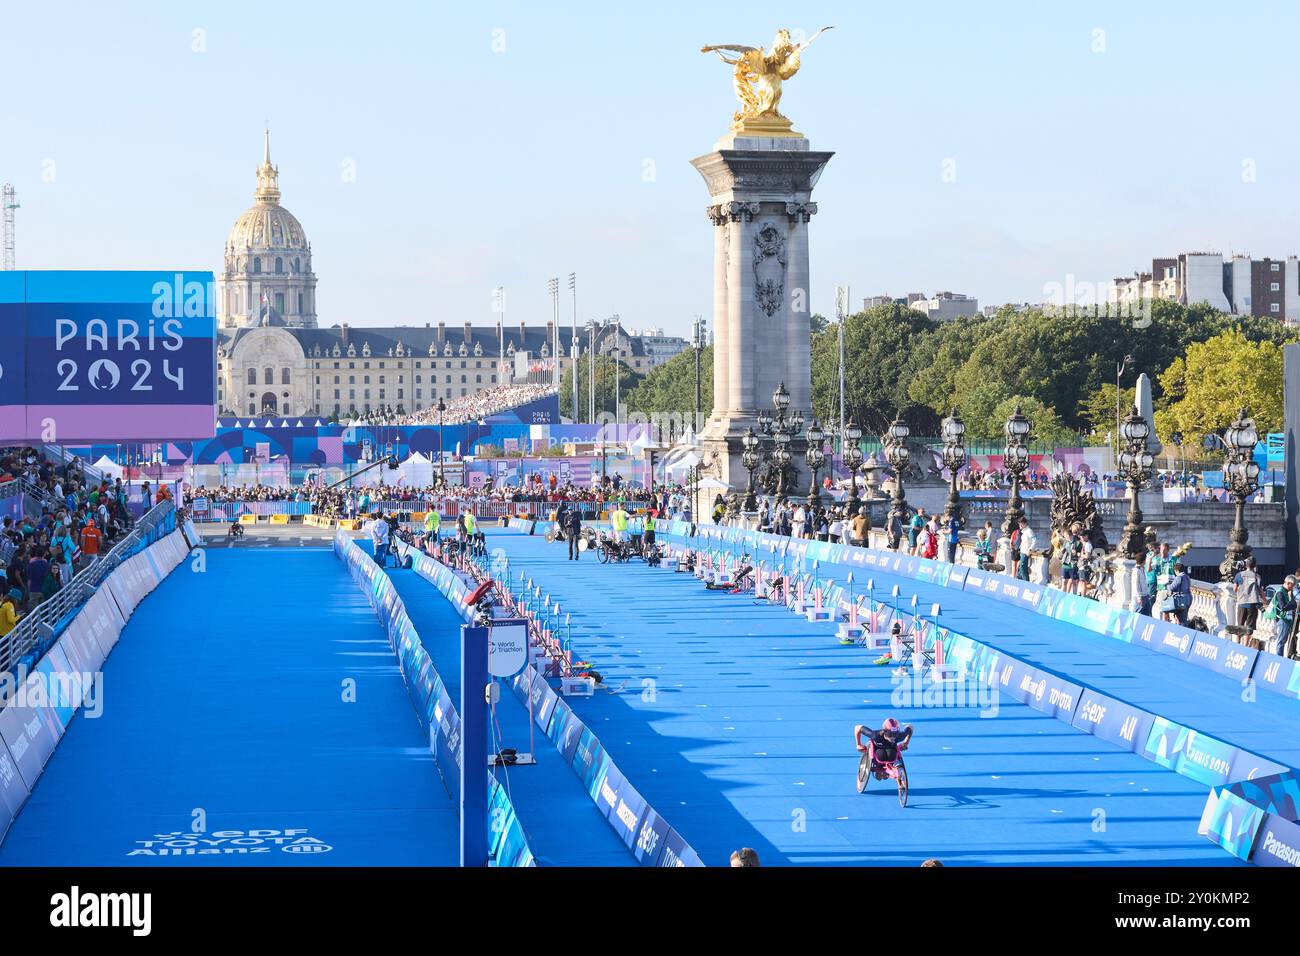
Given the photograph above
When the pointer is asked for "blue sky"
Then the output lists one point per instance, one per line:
(503, 144)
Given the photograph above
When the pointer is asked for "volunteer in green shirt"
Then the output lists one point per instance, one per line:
(619, 520)
(432, 522)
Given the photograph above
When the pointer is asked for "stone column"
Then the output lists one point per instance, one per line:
(740, 299)
(798, 360)
(761, 190)
(721, 327)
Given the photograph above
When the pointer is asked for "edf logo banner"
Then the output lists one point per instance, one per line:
(107, 356)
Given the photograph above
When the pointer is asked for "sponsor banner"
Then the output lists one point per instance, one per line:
(1277, 674)
(677, 852)
(590, 761)
(544, 699)
(625, 815)
(13, 789)
(1230, 822)
(1277, 793)
(1163, 637)
(1277, 843)
(956, 578)
(565, 731)
(651, 838)
(507, 844)
(1193, 755)
(30, 739)
(1038, 689)
(108, 356)
(1247, 766)
(52, 675)
(1225, 657)
(1112, 720)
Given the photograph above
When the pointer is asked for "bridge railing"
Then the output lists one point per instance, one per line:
(40, 627)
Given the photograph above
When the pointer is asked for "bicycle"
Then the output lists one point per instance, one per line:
(895, 769)
(611, 550)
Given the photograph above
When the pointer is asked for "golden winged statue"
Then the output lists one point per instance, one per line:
(758, 78)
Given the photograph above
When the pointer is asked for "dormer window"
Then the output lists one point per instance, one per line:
(478, 348)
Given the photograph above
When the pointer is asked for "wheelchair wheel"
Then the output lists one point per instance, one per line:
(902, 784)
(603, 553)
(864, 773)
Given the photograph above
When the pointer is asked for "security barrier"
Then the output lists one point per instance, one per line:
(647, 835)
(1165, 742)
(44, 701)
(433, 704)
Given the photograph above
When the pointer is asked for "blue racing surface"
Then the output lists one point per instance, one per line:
(1207, 701)
(253, 715)
(562, 824)
(735, 721)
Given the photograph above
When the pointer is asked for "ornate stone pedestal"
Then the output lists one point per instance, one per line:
(761, 193)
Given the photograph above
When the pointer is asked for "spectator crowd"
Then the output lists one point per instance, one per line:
(79, 520)
(467, 408)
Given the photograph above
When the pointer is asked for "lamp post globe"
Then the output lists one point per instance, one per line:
(815, 457)
(1135, 464)
(898, 455)
(1016, 460)
(749, 458)
(954, 459)
(1241, 475)
(851, 452)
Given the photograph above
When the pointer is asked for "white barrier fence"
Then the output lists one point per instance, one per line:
(37, 707)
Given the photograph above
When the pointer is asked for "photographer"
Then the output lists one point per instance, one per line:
(1249, 594)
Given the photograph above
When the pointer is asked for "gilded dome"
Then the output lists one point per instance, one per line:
(267, 225)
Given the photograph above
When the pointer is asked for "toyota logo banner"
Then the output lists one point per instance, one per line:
(107, 356)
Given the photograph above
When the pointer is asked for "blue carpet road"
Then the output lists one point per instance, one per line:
(735, 721)
(225, 711)
(562, 824)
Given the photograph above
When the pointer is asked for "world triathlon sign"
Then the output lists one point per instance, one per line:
(107, 356)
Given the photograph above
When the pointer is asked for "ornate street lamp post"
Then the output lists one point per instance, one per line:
(954, 459)
(1016, 460)
(898, 455)
(1241, 475)
(749, 458)
(852, 455)
(782, 430)
(815, 457)
(1135, 468)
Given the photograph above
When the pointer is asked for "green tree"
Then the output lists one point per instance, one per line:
(1204, 389)
(669, 389)
(877, 346)
(1098, 412)
(1048, 427)
(938, 356)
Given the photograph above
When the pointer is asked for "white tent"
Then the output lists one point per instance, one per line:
(109, 467)
(683, 464)
(712, 484)
(416, 471)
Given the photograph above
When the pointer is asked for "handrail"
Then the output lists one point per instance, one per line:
(45, 622)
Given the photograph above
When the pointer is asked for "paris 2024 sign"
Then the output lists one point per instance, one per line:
(107, 356)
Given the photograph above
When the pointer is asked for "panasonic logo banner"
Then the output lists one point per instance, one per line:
(1279, 843)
